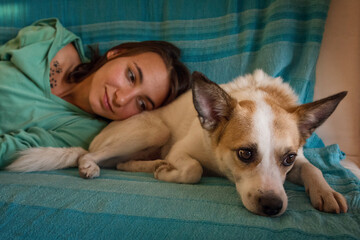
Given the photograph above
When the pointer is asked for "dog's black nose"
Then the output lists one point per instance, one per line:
(271, 205)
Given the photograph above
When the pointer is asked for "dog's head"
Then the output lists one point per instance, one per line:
(256, 130)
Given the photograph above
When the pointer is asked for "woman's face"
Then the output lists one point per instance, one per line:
(125, 86)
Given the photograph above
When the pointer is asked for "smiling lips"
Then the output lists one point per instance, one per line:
(106, 101)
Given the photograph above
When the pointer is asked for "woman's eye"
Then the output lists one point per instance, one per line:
(141, 104)
(131, 76)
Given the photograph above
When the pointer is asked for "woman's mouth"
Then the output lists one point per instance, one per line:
(106, 101)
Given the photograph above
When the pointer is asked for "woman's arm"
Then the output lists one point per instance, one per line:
(77, 134)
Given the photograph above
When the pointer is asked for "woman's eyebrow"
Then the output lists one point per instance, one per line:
(140, 73)
(141, 81)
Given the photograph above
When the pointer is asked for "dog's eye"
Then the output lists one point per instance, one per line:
(289, 159)
(245, 155)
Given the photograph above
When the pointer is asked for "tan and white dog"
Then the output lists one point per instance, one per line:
(250, 130)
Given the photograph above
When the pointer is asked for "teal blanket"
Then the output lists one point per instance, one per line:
(223, 39)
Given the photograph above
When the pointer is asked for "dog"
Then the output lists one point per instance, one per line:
(250, 130)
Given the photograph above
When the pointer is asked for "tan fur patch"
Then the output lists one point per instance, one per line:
(248, 106)
(284, 122)
(238, 129)
(281, 96)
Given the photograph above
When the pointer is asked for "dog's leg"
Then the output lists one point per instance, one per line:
(187, 171)
(140, 166)
(87, 163)
(142, 132)
(179, 167)
(322, 196)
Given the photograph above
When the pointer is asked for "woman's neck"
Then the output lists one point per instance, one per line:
(78, 95)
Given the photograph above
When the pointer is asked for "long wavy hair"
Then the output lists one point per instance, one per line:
(179, 74)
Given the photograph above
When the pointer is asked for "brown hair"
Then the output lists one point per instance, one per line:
(178, 73)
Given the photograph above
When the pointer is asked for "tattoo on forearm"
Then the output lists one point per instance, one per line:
(55, 70)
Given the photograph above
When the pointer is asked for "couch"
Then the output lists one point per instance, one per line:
(222, 39)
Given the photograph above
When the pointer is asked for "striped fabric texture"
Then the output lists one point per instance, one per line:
(121, 205)
(223, 39)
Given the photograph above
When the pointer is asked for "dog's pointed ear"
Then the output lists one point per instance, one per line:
(211, 102)
(312, 115)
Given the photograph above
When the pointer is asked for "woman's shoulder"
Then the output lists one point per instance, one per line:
(46, 35)
(41, 30)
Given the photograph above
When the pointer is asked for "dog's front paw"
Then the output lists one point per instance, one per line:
(88, 169)
(327, 200)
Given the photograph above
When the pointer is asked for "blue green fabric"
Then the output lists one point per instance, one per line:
(223, 39)
(121, 205)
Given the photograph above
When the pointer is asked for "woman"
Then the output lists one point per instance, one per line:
(51, 96)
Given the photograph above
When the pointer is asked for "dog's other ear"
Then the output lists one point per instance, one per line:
(211, 102)
(312, 115)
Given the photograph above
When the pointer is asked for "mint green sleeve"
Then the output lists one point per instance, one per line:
(78, 134)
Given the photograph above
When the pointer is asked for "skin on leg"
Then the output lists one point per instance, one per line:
(322, 196)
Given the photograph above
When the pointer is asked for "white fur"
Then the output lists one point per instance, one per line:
(263, 130)
(44, 159)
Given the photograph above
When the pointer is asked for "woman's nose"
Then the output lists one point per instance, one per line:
(123, 98)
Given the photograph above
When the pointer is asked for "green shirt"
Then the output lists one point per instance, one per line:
(30, 115)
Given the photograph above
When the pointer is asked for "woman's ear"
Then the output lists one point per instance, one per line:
(114, 53)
